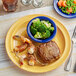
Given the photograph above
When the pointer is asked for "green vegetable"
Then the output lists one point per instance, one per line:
(67, 12)
(46, 34)
(47, 21)
(46, 24)
(36, 23)
(38, 35)
(69, 4)
(37, 20)
(33, 30)
(41, 28)
(51, 29)
(60, 7)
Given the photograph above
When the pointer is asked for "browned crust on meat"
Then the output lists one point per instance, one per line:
(58, 47)
(44, 56)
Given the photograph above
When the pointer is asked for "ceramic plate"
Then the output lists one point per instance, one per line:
(60, 12)
(62, 39)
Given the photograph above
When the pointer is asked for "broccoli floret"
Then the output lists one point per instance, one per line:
(33, 30)
(46, 34)
(38, 35)
(36, 23)
(41, 28)
(36, 20)
(46, 23)
(51, 29)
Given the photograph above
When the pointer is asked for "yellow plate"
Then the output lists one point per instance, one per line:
(62, 38)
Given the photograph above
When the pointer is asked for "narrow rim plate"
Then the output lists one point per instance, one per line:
(64, 43)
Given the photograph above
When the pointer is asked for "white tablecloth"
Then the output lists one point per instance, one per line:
(7, 68)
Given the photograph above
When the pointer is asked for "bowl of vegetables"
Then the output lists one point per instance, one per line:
(66, 8)
(41, 29)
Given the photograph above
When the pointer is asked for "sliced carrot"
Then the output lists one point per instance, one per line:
(74, 1)
(64, 3)
(69, 10)
(59, 3)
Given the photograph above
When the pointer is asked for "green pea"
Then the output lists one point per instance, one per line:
(67, 12)
(60, 7)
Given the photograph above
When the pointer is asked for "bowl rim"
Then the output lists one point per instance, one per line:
(42, 40)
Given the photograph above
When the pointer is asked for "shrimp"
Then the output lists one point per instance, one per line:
(21, 57)
(26, 40)
(31, 47)
(21, 48)
(22, 39)
(17, 37)
(31, 60)
(30, 50)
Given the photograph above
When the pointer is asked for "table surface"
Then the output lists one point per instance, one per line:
(7, 68)
(22, 7)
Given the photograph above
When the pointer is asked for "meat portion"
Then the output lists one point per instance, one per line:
(48, 51)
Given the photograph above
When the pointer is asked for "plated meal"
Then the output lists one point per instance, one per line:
(67, 6)
(42, 54)
(32, 49)
(36, 55)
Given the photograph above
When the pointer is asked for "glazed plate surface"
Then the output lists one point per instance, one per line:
(62, 39)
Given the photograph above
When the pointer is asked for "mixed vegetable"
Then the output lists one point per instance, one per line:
(41, 29)
(67, 6)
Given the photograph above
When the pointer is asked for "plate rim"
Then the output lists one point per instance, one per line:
(36, 15)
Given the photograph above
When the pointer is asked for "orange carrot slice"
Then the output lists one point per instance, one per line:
(74, 1)
(64, 3)
(69, 10)
(59, 3)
